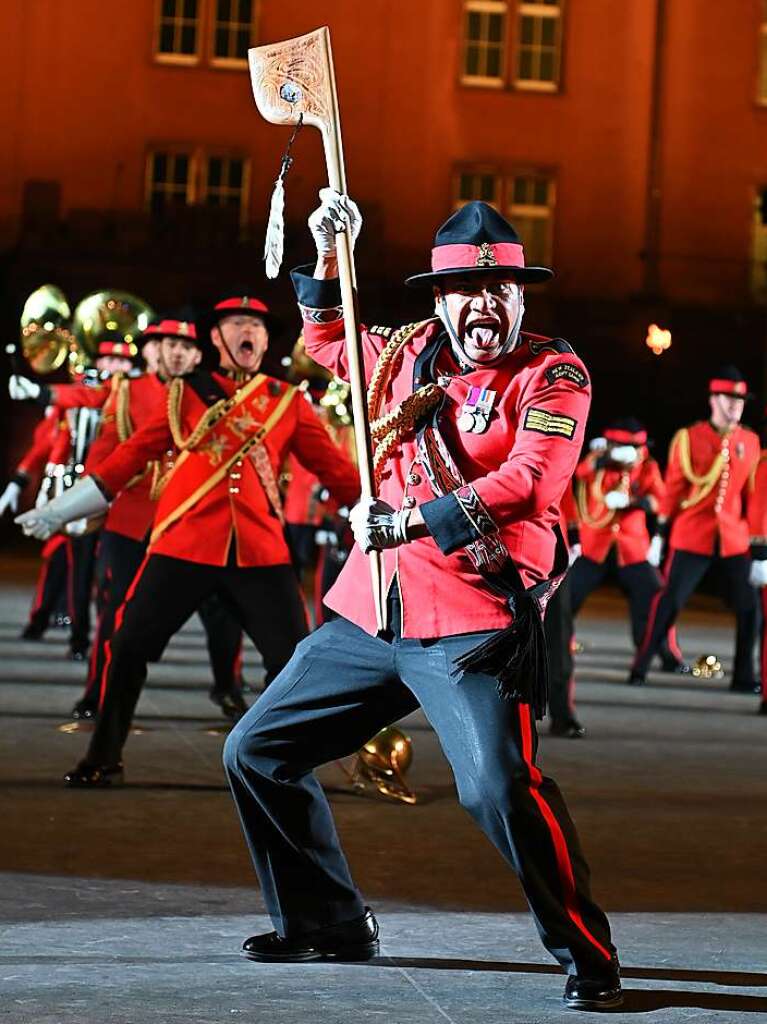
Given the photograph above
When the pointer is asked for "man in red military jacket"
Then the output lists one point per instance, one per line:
(471, 468)
(218, 525)
(709, 479)
(617, 487)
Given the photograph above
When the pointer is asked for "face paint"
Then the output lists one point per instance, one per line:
(483, 317)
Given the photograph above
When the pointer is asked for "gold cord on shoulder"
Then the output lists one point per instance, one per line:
(702, 484)
(581, 497)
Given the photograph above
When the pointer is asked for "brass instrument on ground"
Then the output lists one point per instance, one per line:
(707, 666)
(383, 762)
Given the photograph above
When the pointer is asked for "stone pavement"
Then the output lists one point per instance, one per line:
(130, 906)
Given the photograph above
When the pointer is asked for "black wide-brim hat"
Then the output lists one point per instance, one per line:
(476, 241)
(728, 380)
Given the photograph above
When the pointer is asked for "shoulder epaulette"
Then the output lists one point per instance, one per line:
(385, 332)
(558, 345)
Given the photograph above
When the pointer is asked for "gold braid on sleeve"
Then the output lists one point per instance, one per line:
(388, 431)
(123, 421)
(581, 499)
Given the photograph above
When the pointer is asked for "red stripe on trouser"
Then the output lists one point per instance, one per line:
(564, 864)
(71, 580)
(40, 589)
(763, 643)
(642, 651)
(237, 668)
(119, 615)
(673, 645)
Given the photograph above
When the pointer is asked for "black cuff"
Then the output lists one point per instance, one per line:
(663, 529)
(644, 504)
(759, 552)
(315, 293)
(101, 486)
(573, 535)
(20, 478)
(44, 398)
(447, 524)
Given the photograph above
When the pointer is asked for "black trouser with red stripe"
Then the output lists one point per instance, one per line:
(164, 594)
(684, 571)
(640, 583)
(51, 584)
(340, 688)
(82, 555)
(119, 559)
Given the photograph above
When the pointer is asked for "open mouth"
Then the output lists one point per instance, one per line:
(483, 332)
(247, 348)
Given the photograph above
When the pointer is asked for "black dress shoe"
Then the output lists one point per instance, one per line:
(747, 686)
(32, 632)
(231, 702)
(675, 666)
(94, 776)
(636, 678)
(570, 728)
(593, 993)
(77, 653)
(351, 941)
(85, 710)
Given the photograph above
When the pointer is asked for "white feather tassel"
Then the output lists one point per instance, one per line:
(275, 230)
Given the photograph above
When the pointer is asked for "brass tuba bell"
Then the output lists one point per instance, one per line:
(46, 339)
(107, 311)
(383, 762)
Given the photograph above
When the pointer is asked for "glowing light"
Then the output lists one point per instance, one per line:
(658, 339)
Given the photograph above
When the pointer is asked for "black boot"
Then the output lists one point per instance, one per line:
(569, 727)
(636, 678)
(594, 993)
(32, 631)
(352, 941)
(94, 776)
(231, 702)
(86, 709)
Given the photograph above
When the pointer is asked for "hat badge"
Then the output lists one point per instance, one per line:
(486, 256)
(183, 327)
(246, 301)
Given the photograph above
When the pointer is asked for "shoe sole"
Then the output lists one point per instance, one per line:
(591, 1004)
(349, 954)
(110, 784)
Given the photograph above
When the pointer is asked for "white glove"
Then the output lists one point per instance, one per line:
(617, 499)
(22, 389)
(597, 444)
(655, 551)
(624, 453)
(376, 525)
(83, 500)
(758, 575)
(573, 555)
(9, 499)
(336, 213)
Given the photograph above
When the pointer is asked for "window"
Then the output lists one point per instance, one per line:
(232, 32)
(759, 247)
(226, 183)
(177, 38)
(530, 208)
(169, 181)
(538, 45)
(484, 185)
(762, 83)
(179, 177)
(484, 57)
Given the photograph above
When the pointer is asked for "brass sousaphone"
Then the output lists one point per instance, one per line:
(46, 338)
(107, 311)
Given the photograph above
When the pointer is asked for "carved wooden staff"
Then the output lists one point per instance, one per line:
(293, 82)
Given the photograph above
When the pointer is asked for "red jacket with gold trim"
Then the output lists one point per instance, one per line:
(709, 479)
(757, 510)
(236, 510)
(601, 527)
(516, 470)
(126, 402)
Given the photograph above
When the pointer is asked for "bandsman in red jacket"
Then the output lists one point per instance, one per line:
(471, 469)
(702, 516)
(617, 487)
(218, 526)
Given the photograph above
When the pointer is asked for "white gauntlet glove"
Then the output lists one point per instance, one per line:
(336, 213)
(617, 500)
(83, 500)
(376, 525)
(597, 444)
(655, 551)
(625, 454)
(758, 574)
(22, 389)
(9, 499)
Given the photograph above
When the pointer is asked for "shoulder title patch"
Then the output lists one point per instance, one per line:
(542, 421)
(566, 371)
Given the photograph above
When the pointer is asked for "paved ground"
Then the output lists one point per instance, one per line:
(130, 906)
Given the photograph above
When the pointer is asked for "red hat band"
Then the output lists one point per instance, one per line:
(626, 436)
(242, 304)
(116, 348)
(489, 254)
(719, 386)
(176, 329)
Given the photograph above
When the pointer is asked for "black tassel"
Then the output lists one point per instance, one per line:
(516, 656)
